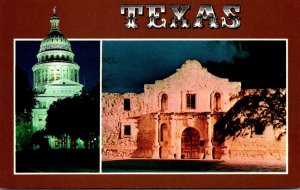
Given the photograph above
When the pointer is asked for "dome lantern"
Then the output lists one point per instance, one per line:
(55, 60)
(54, 21)
(55, 47)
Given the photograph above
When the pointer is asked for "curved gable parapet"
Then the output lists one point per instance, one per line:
(191, 76)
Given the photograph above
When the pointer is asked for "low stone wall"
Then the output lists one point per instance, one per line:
(257, 149)
(117, 153)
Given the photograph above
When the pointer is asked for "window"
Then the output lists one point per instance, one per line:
(56, 142)
(191, 101)
(127, 130)
(217, 102)
(127, 104)
(164, 102)
(164, 132)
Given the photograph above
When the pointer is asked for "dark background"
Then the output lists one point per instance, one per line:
(102, 19)
(87, 56)
(128, 65)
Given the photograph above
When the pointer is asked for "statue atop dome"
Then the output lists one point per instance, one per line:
(54, 10)
(54, 21)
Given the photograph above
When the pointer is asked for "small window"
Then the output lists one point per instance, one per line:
(127, 104)
(191, 101)
(127, 130)
(56, 142)
(217, 102)
(164, 102)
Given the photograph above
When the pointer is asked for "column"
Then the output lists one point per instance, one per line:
(71, 74)
(41, 76)
(77, 75)
(60, 73)
(68, 77)
(55, 70)
(208, 144)
(74, 74)
(48, 74)
(173, 136)
(156, 143)
(33, 78)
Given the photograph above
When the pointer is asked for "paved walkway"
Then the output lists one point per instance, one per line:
(250, 166)
(203, 166)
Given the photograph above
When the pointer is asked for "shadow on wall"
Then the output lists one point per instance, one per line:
(145, 137)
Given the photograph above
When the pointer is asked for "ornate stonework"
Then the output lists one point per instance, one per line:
(174, 119)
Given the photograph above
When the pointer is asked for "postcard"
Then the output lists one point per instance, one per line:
(149, 94)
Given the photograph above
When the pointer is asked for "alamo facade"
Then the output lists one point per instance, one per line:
(174, 119)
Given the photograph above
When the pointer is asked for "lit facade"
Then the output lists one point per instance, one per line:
(175, 118)
(55, 76)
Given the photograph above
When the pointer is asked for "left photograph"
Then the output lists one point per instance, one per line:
(57, 103)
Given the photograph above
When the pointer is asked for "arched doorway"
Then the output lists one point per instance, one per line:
(190, 144)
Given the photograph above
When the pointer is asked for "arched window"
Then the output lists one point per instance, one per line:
(217, 102)
(164, 102)
(164, 132)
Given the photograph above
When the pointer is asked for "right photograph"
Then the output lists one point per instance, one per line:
(194, 106)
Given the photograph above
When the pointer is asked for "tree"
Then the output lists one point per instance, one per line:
(78, 117)
(255, 110)
(24, 132)
(38, 138)
(25, 101)
(25, 95)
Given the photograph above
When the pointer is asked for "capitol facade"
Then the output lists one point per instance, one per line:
(55, 76)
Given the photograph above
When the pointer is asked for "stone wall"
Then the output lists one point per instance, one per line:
(191, 78)
(147, 115)
(258, 147)
(114, 143)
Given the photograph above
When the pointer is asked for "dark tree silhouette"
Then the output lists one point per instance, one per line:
(25, 96)
(38, 138)
(25, 101)
(255, 110)
(77, 116)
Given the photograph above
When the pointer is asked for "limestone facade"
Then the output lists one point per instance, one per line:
(174, 119)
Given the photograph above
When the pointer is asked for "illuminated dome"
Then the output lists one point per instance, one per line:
(55, 47)
(55, 61)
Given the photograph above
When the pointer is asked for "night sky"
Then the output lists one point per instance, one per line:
(87, 55)
(128, 65)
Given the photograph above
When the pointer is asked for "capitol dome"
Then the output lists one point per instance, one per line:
(55, 60)
(55, 47)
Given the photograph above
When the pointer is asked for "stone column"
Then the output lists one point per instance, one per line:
(60, 73)
(172, 137)
(156, 143)
(77, 76)
(208, 144)
(68, 73)
(55, 71)
(48, 74)
(41, 76)
(34, 78)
